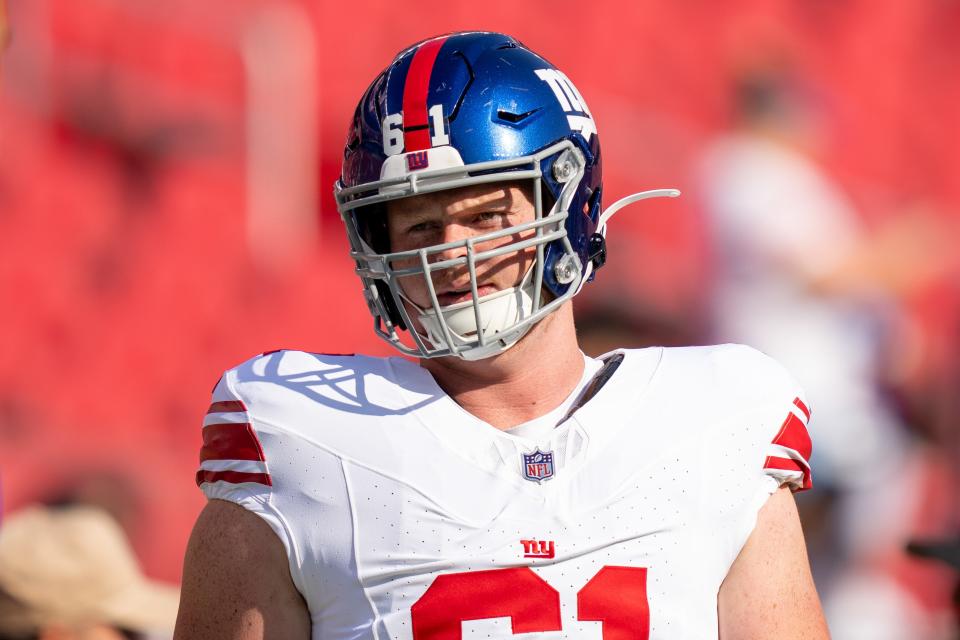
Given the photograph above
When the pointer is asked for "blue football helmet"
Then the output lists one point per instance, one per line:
(461, 110)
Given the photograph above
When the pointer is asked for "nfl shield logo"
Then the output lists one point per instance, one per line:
(538, 466)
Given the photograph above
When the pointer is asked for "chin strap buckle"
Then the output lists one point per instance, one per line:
(597, 250)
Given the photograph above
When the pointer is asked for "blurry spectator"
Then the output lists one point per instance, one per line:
(799, 277)
(947, 552)
(796, 272)
(68, 573)
(112, 489)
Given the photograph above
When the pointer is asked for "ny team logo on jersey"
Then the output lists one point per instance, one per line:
(538, 466)
(539, 549)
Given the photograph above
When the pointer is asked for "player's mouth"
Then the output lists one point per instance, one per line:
(448, 298)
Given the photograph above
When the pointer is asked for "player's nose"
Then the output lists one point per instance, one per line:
(455, 235)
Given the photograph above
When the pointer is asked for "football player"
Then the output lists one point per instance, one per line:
(502, 483)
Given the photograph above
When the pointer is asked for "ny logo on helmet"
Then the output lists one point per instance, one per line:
(578, 114)
(418, 160)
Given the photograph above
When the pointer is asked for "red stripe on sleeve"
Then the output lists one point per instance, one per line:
(783, 464)
(235, 477)
(803, 408)
(225, 406)
(786, 464)
(230, 442)
(793, 435)
(415, 90)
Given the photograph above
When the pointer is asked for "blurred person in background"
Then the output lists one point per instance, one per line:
(798, 276)
(947, 552)
(68, 573)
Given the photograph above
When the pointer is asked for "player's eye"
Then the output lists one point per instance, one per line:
(423, 227)
(488, 217)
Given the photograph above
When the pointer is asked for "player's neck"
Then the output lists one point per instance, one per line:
(525, 382)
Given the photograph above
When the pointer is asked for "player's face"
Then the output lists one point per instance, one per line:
(455, 215)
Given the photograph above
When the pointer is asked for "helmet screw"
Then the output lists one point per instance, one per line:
(566, 269)
(563, 170)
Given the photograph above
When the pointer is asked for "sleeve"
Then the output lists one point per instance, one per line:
(758, 445)
(767, 417)
(233, 463)
(788, 454)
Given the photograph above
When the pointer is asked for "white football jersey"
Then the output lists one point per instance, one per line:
(405, 517)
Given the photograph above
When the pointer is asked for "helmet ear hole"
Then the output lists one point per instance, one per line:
(592, 207)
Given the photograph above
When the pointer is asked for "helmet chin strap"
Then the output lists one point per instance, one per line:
(498, 311)
(616, 206)
(636, 197)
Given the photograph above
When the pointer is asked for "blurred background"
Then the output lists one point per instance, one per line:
(166, 213)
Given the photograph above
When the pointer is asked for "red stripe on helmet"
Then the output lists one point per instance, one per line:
(415, 90)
